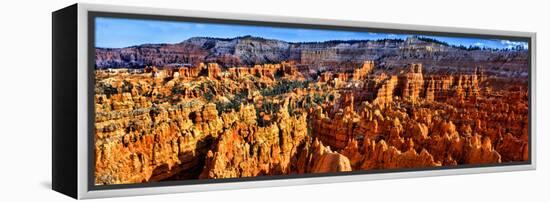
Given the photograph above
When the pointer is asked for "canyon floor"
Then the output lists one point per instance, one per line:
(206, 122)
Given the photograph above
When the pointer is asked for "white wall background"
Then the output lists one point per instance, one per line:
(25, 101)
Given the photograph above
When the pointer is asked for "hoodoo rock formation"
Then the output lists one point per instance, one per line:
(246, 107)
(412, 82)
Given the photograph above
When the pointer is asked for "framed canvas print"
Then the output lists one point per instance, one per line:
(150, 101)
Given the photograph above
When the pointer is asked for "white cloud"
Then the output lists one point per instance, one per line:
(511, 44)
(479, 44)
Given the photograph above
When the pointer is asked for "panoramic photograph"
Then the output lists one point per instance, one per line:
(180, 101)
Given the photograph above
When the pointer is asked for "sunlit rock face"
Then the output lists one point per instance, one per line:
(302, 110)
(247, 149)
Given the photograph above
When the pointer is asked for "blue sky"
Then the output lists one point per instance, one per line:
(118, 33)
